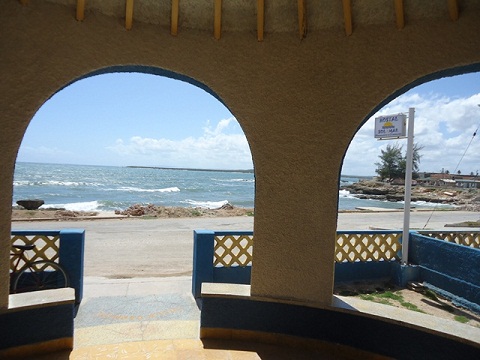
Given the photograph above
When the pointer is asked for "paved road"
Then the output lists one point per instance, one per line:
(127, 248)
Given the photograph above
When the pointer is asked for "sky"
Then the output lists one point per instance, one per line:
(123, 119)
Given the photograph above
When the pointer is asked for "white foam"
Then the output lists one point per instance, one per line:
(345, 194)
(207, 204)
(80, 206)
(135, 189)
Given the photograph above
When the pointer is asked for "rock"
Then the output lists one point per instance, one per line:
(31, 204)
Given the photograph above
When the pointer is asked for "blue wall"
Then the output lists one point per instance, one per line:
(372, 334)
(450, 268)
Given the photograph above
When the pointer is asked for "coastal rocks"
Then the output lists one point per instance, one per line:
(375, 190)
(33, 204)
(74, 214)
(151, 210)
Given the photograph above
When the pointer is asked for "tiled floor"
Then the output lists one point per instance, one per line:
(188, 349)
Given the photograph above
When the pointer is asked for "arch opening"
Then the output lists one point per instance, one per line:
(447, 119)
(198, 128)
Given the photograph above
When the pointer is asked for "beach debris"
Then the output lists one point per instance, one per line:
(74, 214)
(151, 210)
(32, 204)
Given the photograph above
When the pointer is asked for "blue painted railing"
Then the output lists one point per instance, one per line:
(450, 268)
(347, 268)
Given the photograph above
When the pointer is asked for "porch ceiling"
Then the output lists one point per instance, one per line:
(261, 17)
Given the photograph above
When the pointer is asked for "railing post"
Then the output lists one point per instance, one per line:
(203, 244)
(72, 244)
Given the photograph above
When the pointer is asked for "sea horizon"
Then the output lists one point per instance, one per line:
(108, 188)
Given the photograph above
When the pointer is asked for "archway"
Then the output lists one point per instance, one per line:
(217, 133)
(446, 117)
(447, 113)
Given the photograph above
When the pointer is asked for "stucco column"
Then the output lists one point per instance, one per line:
(295, 210)
(6, 177)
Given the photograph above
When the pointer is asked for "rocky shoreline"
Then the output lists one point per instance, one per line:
(464, 199)
(140, 211)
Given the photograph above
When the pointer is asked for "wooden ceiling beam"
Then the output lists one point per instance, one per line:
(129, 14)
(260, 19)
(400, 14)
(174, 21)
(453, 9)
(217, 23)
(347, 16)
(302, 19)
(80, 15)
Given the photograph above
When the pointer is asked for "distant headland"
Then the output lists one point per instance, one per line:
(188, 169)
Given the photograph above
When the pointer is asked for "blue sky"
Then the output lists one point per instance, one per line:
(138, 119)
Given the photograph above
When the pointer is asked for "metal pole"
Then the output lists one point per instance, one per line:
(408, 186)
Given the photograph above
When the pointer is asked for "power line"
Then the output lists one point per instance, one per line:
(455, 171)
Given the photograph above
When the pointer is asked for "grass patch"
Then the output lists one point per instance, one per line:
(411, 306)
(462, 319)
(375, 298)
(195, 212)
(390, 295)
(390, 298)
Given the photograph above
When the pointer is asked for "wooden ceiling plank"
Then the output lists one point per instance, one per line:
(400, 14)
(302, 19)
(453, 9)
(260, 19)
(347, 15)
(217, 31)
(80, 15)
(174, 24)
(24, 2)
(129, 14)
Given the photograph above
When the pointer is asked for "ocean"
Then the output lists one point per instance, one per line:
(108, 188)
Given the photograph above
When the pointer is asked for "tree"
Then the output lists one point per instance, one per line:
(393, 164)
(389, 165)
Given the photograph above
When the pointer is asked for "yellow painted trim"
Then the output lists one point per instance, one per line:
(217, 31)
(174, 25)
(260, 19)
(399, 13)
(325, 347)
(42, 348)
(347, 15)
(302, 19)
(80, 16)
(453, 9)
(129, 14)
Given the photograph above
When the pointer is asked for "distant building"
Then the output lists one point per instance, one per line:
(449, 180)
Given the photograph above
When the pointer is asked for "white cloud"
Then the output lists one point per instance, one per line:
(220, 147)
(443, 126)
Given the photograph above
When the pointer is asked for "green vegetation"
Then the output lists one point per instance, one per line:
(390, 298)
(195, 212)
(462, 319)
(393, 164)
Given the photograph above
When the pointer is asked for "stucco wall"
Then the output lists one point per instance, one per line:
(299, 103)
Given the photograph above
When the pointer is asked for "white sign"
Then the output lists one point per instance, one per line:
(391, 126)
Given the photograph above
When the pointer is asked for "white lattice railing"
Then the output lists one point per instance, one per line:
(47, 247)
(465, 238)
(350, 246)
(367, 246)
(233, 250)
